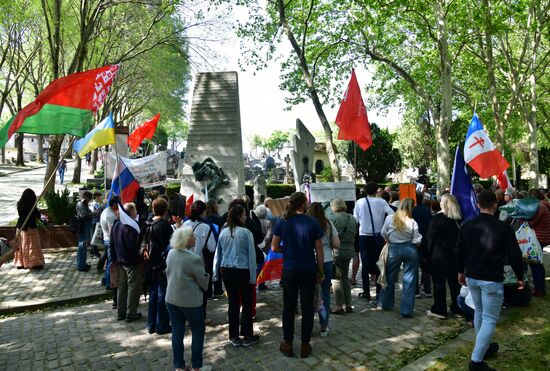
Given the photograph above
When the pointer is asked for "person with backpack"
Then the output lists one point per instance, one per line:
(157, 238)
(84, 216)
(346, 225)
(205, 244)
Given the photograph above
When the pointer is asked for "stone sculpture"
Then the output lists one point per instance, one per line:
(208, 171)
(260, 189)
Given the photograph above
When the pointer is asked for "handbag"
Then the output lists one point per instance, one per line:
(381, 263)
(529, 245)
(97, 237)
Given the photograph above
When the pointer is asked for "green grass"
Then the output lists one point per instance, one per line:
(524, 338)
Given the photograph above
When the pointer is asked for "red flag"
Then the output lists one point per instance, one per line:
(352, 116)
(144, 131)
(504, 181)
(188, 205)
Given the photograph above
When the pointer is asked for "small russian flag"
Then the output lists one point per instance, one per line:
(272, 268)
(480, 153)
(124, 184)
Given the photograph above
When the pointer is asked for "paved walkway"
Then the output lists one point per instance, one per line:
(13, 184)
(58, 281)
(88, 337)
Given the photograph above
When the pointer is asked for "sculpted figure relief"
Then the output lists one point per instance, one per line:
(207, 170)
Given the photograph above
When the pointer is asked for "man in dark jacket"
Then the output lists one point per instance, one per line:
(126, 255)
(483, 243)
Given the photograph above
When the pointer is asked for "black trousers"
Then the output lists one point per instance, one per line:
(237, 281)
(294, 283)
(440, 291)
(370, 248)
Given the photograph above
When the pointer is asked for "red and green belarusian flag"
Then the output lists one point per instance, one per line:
(66, 106)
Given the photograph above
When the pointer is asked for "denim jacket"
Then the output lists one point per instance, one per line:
(235, 251)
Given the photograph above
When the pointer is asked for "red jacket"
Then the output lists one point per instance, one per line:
(541, 223)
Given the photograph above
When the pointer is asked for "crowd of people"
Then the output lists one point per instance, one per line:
(183, 263)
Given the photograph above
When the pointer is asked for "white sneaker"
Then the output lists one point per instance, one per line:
(324, 333)
(435, 315)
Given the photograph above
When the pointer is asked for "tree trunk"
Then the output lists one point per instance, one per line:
(489, 63)
(442, 151)
(3, 154)
(40, 158)
(54, 41)
(53, 159)
(331, 148)
(20, 149)
(530, 114)
(443, 123)
(77, 169)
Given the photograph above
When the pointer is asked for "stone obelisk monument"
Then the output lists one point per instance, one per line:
(213, 164)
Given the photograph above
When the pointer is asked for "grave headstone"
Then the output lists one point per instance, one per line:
(302, 154)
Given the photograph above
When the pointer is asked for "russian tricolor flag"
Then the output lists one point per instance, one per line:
(480, 153)
(272, 268)
(124, 184)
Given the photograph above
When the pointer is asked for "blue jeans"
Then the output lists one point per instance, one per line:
(325, 294)
(195, 317)
(487, 297)
(61, 175)
(158, 319)
(407, 254)
(83, 241)
(107, 274)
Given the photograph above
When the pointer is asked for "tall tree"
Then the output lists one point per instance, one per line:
(379, 160)
(297, 21)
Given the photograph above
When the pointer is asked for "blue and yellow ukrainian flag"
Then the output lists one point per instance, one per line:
(102, 135)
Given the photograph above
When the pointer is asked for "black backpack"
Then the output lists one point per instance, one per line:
(75, 224)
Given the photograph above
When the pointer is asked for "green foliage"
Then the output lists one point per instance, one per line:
(326, 175)
(60, 206)
(377, 161)
(176, 131)
(276, 140)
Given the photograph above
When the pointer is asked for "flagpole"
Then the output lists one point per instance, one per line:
(354, 162)
(105, 169)
(119, 180)
(52, 176)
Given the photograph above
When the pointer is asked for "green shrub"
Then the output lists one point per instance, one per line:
(326, 175)
(60, 206)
